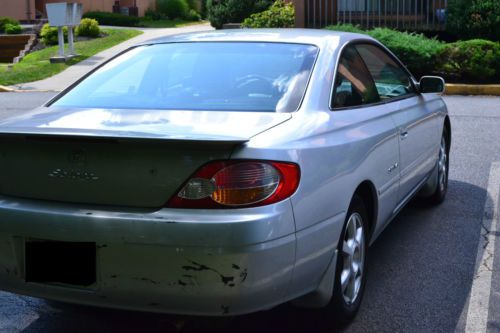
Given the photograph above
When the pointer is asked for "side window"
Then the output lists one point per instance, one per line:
(354, 85)
(390, 78)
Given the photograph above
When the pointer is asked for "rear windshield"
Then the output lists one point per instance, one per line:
(218, 76)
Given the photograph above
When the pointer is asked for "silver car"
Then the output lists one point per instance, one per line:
(219, 173)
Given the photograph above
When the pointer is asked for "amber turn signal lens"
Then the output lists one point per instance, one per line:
(245, 183)
(240, 183)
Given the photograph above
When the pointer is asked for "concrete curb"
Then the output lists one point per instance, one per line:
(9, 89)
(472, 89)
(6, 89)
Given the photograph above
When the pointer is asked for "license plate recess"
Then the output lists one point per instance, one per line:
(72, 263)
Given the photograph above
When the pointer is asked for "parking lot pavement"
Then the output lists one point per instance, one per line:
(14, 103)
(432, 270)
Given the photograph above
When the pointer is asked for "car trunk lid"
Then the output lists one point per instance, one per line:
(120, 157)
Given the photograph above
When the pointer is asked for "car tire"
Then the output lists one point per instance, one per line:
(350, 283)
(442, 171)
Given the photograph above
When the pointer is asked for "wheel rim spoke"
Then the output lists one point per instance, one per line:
(442, 169)
(359, 235)
(345, 277)
(348, 249)
(353, 256)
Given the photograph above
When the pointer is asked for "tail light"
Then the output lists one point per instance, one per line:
(239, 183)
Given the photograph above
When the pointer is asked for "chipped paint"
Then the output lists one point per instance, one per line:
(243, 275)
(145, 279)
(227, 280)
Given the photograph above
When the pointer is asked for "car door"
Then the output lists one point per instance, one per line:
(369, 129)
(416, 124)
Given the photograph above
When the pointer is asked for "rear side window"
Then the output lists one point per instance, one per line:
(354, 85)
(390, 78)
(218, 76)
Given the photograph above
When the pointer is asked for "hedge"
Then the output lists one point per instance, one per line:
(473, 61)
(416, 51)
(13, 29)
(113, 19)
(173, 8)
(7, 20)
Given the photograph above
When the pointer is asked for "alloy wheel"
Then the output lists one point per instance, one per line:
(442, 166)
(353, 252)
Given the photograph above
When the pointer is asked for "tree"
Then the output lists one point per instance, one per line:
(474, 19)
(233, 11)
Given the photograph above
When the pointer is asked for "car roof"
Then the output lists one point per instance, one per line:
(316, 37)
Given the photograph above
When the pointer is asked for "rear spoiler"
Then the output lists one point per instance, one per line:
(64, 134)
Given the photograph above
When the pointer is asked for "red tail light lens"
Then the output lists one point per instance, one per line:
(238, 184)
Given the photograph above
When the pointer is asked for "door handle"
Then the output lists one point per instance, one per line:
(403, 134)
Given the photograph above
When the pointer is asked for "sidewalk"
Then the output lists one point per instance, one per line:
(64, 79)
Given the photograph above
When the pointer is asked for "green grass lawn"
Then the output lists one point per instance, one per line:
(36, 66)
(166, 23)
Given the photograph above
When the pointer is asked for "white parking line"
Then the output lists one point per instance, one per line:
(477, 314)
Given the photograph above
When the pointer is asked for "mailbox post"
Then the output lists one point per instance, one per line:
(63, 14)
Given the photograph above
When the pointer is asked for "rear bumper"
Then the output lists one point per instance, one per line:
(176, 261)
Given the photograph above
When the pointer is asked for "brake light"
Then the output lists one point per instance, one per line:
(238, 183)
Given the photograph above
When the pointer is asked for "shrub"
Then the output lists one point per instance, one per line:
(173, 8)
(279, 15)
(416, 51)
(6, 20)
(473, 60)
(49, 34)
(193, 15)
(113, 19)
(203, 10)
(153, 15)
(13, 29)
(346, 28)
(474, 19)
(88, 27)
(221, 12)
(195, 5)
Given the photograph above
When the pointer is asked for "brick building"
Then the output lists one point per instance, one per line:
(28, 10)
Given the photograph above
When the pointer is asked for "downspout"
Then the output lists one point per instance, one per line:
(300, 14)
(28, 10)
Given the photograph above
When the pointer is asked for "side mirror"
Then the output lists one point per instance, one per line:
(431, 84)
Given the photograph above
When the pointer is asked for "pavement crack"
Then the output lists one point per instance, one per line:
(485, 233)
